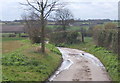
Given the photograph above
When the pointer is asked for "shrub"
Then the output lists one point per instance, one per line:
(72, 37)
(58, 37)
(12, 35)
(110, 26)
(62, 38)
(35, 39)
(107, 36)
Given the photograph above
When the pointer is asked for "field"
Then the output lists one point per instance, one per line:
(77, 28)
(71, 28)
(22, 62)
(109, 59)
(13, 28)
(11, 44)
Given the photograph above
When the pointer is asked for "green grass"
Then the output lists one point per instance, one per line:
(52, 27)
(109, 59)
(11, 38)
(27, 64)
(17, 34)
(71, 28)
(77, 28)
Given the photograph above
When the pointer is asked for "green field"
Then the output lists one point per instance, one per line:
(21, 60)
(109, 59)
(16, 35)
(71, 28)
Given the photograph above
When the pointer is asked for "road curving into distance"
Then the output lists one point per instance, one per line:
(78, 65)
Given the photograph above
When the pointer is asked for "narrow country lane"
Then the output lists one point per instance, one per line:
(79, 66)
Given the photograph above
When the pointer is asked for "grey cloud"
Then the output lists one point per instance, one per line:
(12, 10)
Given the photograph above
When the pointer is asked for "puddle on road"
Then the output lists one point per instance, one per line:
(67, 62)
(64, 66)
(94, 60)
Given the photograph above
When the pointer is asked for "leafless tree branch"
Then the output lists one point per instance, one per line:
(33, 6)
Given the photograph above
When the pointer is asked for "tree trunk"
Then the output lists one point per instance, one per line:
(42, 38)
(42, 32)
(19, 34)
(119, 43)
(82, 36)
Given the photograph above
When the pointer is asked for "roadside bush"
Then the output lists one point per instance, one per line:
(12, 35)
(3, 36)
(107, 36)
(89, 32)
(62, 38)
(35, 39)
(24, 36)
(110, 26)
(72, 37)
(58, 37)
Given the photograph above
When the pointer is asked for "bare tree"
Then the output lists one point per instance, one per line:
(63, 17)
(43, 9)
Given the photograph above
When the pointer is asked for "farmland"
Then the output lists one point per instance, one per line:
(12, 28)
(18, 27)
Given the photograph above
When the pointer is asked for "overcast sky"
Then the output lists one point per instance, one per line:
(83, 9)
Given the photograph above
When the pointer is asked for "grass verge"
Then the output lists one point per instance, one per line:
(26, 64)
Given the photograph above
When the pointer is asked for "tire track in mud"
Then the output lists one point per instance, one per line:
(81, 67)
